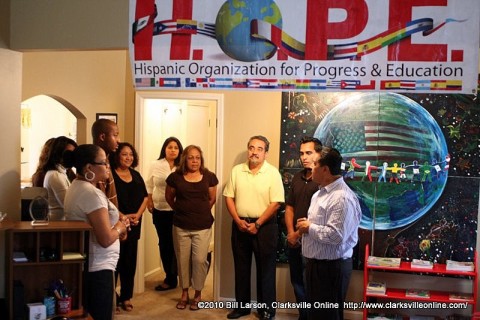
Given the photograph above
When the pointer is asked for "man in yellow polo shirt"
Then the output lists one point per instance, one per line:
(252, 195)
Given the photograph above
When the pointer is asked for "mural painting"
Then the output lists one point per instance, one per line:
(412, 159)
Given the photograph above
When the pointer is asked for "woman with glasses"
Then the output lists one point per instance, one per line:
(83, 201)
(191, 192)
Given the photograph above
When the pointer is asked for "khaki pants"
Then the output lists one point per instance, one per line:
(191, 250)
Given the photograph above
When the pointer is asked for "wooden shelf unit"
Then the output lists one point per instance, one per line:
(435, 296)
(38, 272)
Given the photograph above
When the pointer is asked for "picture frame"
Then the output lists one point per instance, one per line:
(109, 116)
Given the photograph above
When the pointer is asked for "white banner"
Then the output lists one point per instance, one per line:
(383, 45)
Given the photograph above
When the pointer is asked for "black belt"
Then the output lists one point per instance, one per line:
(327, 260)
(253, 220)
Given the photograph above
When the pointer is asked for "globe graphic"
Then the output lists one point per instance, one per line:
(377, 128)
(232, 29)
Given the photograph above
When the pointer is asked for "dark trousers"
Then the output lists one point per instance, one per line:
(126, 268)
(263, 245)
(99, 293)
(327, 281)
(163, 221)
(297, 277)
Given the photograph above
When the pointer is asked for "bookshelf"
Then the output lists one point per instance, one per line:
(44, 248)
(438, 270)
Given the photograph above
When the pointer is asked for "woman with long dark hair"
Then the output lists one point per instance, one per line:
(162, 213)
(56, 179)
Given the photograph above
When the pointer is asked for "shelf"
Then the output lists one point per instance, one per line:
(44, 246)
(438, 270)
(435, 296)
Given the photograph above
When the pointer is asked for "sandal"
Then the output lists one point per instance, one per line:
(194, 305)
(127, 306)
(182, 304)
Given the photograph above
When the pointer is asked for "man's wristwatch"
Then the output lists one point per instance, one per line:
(257, 225)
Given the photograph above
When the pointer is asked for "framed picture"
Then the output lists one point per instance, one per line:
(109, 116)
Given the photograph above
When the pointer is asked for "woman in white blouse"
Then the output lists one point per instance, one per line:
(162, 213)
(56, 180)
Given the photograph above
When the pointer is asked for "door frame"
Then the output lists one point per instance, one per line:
(140, 97)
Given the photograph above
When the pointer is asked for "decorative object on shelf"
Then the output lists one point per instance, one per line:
(3, 215)
(109, 116)
(48, 254)
(384, 261)
(418, 293)
(49, 303)
(73, 256)
(19, 256)
(39, 211)
(460, 297)
(421, 264)
(375, 287)
(460, 265)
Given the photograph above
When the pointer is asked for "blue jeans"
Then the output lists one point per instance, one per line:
(297, 277)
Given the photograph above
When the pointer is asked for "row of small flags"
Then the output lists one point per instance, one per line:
(253, 83)
(299, 84)
(452, 85)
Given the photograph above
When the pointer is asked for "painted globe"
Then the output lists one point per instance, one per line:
(395, 156)
(232, 28)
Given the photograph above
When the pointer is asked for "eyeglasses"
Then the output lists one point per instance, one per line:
(103, 163)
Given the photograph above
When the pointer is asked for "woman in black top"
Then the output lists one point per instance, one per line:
(132, 201)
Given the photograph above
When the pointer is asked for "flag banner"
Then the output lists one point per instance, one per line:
(423, 46)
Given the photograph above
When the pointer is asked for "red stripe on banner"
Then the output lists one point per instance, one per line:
(144, 38)
(315, 38)
(457, 56)
(181, 43)
(277, 38)
(400, 13)
(197, 54)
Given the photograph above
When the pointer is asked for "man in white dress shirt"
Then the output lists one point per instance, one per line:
(328, 236)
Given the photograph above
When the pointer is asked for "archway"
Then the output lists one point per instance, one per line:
(44, 117)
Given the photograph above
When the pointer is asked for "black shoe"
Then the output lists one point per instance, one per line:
(237, 313)
(267, 316)
(162, 288)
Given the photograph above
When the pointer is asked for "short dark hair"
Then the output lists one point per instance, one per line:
(307, 139)
(101, 126)
(261, 138)
(331, 158)
(114, 158)
(163, 153)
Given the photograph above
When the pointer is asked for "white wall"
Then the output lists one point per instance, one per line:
(10, 91)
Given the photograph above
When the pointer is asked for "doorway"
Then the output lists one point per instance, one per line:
(194, 118)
